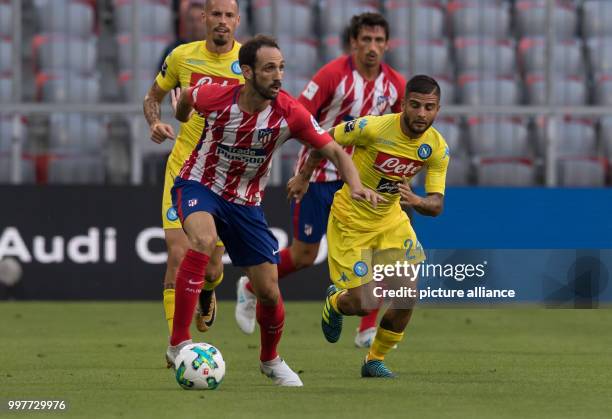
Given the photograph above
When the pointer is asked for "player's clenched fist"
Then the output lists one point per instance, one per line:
(369, 195)
(161, 131)
(297, 187)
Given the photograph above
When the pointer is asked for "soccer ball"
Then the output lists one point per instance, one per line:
(199, 366)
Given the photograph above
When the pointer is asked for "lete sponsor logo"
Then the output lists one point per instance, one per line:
(396, 166)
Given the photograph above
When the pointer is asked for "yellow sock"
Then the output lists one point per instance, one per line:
(384, 341)
(209, 286)
(169, 307)
(334, 300)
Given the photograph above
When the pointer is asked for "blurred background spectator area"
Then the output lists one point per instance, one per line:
(526, 84)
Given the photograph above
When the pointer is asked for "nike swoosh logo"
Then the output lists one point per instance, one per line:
(195, 282)
(275, 251)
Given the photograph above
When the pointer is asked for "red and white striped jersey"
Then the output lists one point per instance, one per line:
(233, 156)
(338, 93)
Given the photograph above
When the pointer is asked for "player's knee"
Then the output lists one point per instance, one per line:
(214, 270)
(267, 295)
(203, 242)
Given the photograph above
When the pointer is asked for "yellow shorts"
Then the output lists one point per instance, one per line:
(170, 218)
(349, 249)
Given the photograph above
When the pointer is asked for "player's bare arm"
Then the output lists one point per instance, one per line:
(430, 205)
(334, 153)
(184, 105)
(151, 107)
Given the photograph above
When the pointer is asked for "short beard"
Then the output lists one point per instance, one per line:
(220, 42)
(262, 92)
(413, 130)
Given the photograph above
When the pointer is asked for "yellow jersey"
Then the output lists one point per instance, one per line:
(190, 65)
(383, 155)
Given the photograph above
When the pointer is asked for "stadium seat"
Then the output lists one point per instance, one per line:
(61, 53)
(599, 53)
(336, 14)
(485, 56)
(568, 59)
(301, 56)
(489, 18)
(603, 90)
(566, 91)
(605, 134)
(582, 171)
(431, 57)
(151, 49)
(449, 129)
(505, 172)
(67, 88)
(6, 55)
(75, 132)
(244, 30)
(331, 47)
(72, 17)
(76, 169)
(6, 89)
(6, 19)
(447, 88)
(498, 137)
(531, 18)
(284, 17)
(458, 170)
(596, 18)
(429, 19)
(570, 136)
(485, 91)
(154, 17)
(144, 80)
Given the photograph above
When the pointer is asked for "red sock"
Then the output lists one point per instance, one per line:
(271, 320)
(286, 266)
(189, 281)
(369, 320)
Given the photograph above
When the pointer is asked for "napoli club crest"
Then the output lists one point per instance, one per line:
(424, 151)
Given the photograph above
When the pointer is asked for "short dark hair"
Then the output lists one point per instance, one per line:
(368, 19)
(423, 84)
(248, 51)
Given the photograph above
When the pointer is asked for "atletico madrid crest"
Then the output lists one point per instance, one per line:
(264, 135)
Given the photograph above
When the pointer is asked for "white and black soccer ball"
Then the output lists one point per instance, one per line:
(199, 366)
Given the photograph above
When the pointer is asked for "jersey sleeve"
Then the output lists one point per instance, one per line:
(201, 96)
(317, 91)
(435, 179)
(305, 128)
(357, 132)
(168, 76)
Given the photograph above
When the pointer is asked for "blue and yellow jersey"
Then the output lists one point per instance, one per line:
(190, 65)
(383, 155)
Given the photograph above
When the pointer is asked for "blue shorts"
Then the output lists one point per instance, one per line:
(310, 215)
(242, 228)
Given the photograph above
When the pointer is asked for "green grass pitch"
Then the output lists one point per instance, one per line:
(106, 360)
